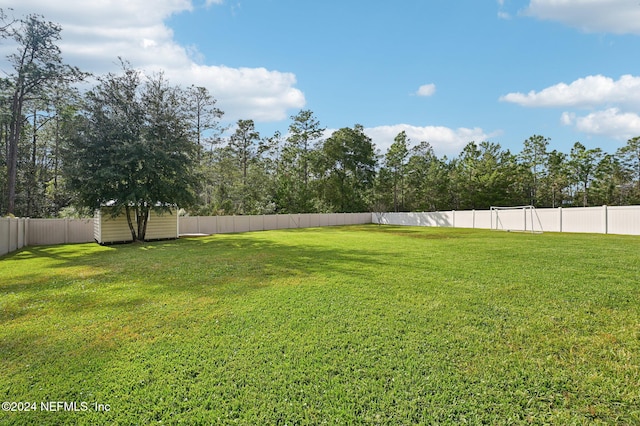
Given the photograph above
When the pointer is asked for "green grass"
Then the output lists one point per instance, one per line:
(341, 325)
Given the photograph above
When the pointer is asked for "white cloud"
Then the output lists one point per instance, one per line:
(426, 90)
(255, 93)
(592, 92)
(95, 34)
(584, 92)
(613, 16)
(610, 122)
(444, 140)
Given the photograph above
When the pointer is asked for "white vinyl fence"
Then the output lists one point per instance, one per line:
(601, 220)
(12, 234)
(17, 233)
(230, 224)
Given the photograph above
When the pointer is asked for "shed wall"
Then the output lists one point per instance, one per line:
(116, 230)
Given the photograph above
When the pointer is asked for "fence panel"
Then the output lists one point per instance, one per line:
(80, 230)
(256, 223)
(13, 234)
(465, 219)
(549, 220)
(623, 220)
(270, 222)
(241, 223)
(5, 235)
(47, 231)
(188, 225)
(304, 220)
(483, 219)
(60, 231)
(583, 219)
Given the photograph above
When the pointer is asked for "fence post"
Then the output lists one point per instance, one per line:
(453, 218)
(605, 219)
(560, 218)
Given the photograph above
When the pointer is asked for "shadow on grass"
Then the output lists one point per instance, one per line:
(73, 277)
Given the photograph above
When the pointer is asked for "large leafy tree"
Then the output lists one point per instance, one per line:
(132, 149)
(347, 166)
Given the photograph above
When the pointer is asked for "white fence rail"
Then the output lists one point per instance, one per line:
(600, 220)
(17, 233)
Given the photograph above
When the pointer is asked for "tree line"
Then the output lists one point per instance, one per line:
(141, 143)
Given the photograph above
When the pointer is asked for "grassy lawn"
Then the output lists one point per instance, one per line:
(341, 325)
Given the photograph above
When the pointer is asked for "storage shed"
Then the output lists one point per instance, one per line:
(110, 230)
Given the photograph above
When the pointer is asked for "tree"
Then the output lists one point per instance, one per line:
(303, 131)
(243, 144)
(556, 179)
(486, 175)
(534, 156)
(610, 179)
(204, 115)
(347, 169)
(428, 180)
(629, 156)
(466, 177)
(132, 149)
(36, 64)
(396, 161)
(583, 164)
(294, 165)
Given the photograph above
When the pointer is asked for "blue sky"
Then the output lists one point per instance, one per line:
(445, 72)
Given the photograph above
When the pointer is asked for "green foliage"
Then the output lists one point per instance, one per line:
(37, 70)
(582, 168)
(534, 157)
(347, 168)
(294, 192)
(396, 162)
(629, 159)
(131, 149)
(341, 325)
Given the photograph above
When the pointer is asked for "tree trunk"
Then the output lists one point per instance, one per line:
(15, 128)
(130, 223)
(143, 218)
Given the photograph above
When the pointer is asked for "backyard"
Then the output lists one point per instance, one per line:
(338, 325)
